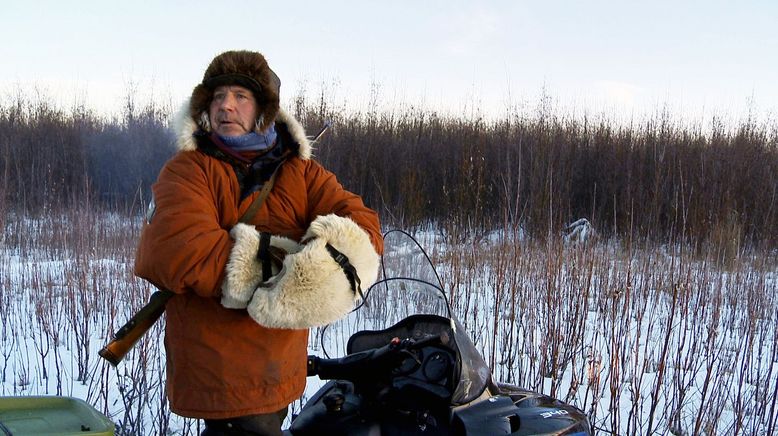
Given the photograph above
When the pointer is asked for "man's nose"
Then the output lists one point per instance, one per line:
(228, 102)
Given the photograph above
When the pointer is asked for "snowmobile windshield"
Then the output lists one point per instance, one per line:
(408, 300)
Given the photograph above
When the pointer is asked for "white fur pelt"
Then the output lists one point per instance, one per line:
(244, 271)
(312, 289)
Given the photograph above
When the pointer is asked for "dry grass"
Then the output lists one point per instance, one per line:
(644, 340)
(66, 285)
(666, 324)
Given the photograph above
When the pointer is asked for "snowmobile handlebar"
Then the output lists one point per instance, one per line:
(366, 364)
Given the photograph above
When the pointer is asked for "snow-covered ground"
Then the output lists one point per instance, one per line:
(662, 340)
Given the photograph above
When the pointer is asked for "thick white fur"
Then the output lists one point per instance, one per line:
(185, 127)
(244, 271)
(312, 289)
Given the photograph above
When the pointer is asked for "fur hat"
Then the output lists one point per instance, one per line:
(243, 68)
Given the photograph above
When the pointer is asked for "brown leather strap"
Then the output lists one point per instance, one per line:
(257, 203)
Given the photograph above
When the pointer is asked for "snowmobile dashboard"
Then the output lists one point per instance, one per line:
(415, 358)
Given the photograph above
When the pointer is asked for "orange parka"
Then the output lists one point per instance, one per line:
(220, 362)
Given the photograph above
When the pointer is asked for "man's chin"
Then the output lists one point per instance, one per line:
(230, 131)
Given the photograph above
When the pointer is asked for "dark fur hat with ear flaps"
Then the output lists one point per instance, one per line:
(244, 68)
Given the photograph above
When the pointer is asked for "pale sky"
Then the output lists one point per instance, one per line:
(696, 57)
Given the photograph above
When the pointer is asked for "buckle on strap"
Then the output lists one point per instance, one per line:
(351, 272)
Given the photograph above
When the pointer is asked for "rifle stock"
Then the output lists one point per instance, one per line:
(126, 337)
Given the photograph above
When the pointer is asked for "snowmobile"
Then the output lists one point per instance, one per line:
(402, 364)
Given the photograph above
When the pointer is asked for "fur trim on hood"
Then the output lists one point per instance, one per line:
(250, 70)
(185, 128)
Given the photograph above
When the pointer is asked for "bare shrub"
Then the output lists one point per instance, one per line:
(654, 177)
(666, 324)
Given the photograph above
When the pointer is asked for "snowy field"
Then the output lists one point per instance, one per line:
(668, 340)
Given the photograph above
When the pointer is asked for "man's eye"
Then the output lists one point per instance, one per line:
(242, 96)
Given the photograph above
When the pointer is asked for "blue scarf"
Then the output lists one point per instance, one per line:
(251, 141)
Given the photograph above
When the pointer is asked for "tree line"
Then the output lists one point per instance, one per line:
(654, 178)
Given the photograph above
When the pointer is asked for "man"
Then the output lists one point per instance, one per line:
(236, 334)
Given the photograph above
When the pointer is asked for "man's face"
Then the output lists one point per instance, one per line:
(233, 110)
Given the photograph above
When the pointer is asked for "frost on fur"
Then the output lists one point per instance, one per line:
(312, 289)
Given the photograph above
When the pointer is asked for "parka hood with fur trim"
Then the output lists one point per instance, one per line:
(185, 128)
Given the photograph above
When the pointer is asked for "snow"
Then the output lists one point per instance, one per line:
(635, 338)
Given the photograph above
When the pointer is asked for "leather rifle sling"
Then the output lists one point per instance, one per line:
(257, 203)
